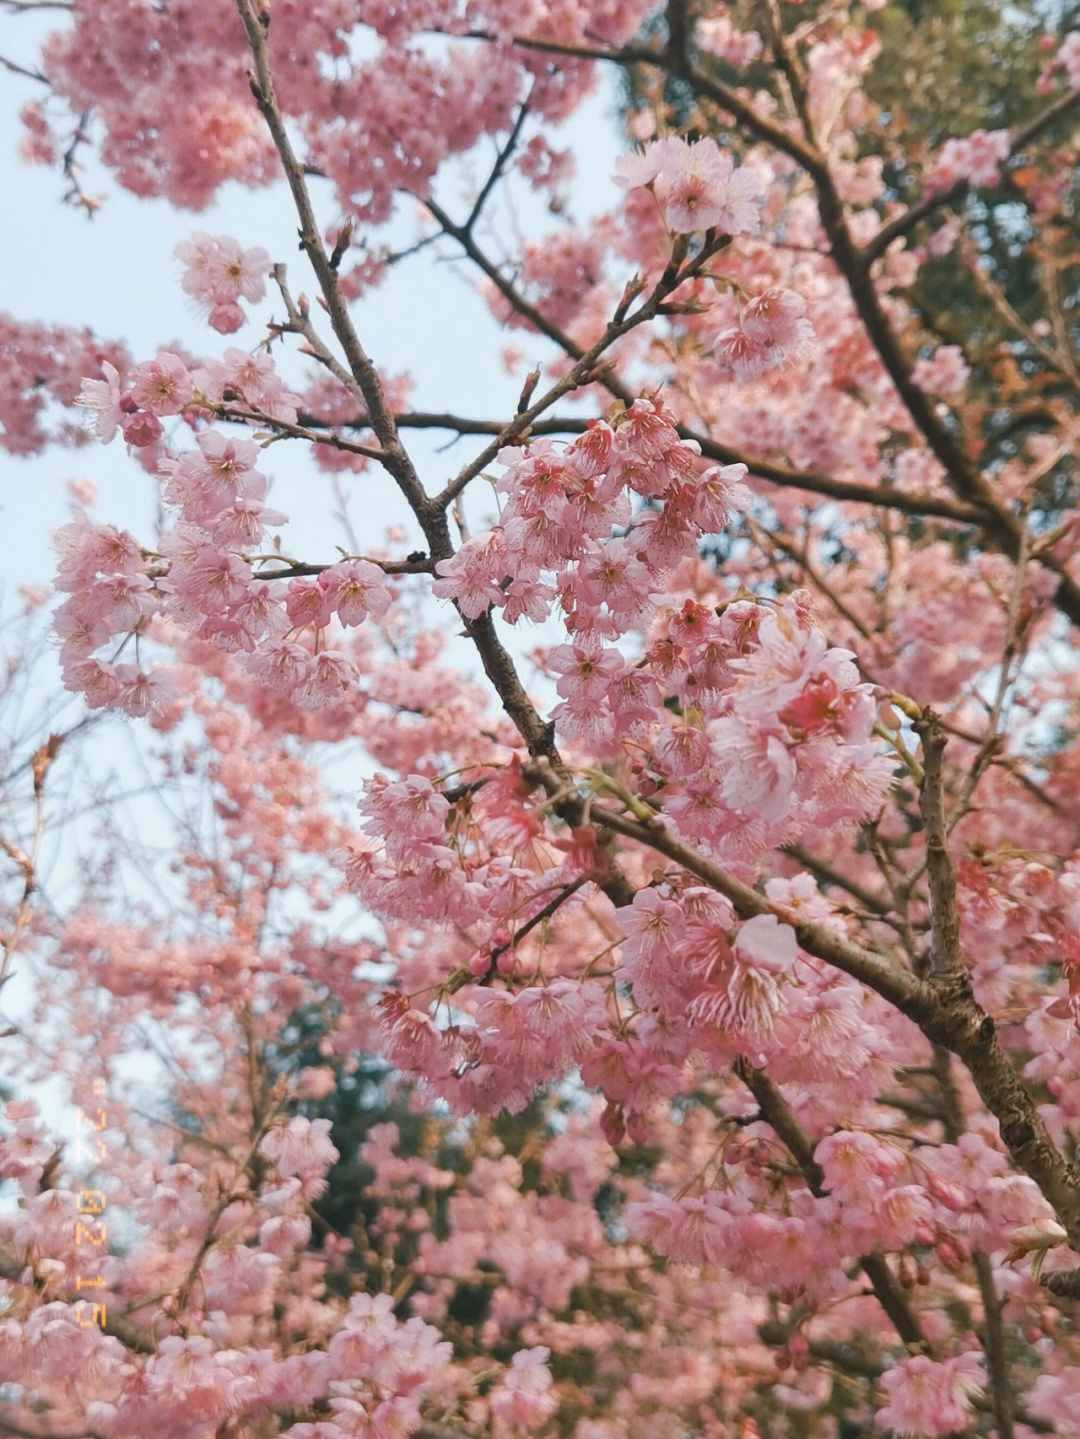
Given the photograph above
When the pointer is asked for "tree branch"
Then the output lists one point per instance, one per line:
(945, 961)
(14, 1269)
(994, 1345)
(775, 1112)
(585, 361)
(364, 377)
(915, 214)
(723, 95)
(949, 1017)
(499, 166)
(14, 68)
(773, 473)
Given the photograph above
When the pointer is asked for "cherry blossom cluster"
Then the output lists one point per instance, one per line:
(201, 575)
(925, 1397)
(219, 274)
(44, 364)
(772, 331)
(749, 990)
(977, 160)
(1067, 59)
(781, 722)
(724, 989)
(697, 186)
(918, 1202)
(560, 511)
(374, 126)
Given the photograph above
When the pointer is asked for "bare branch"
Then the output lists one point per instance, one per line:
(14, 68)
(284, 429)
(499, 166)
(994, 1343)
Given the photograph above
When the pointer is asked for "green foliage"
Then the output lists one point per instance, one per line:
(953, 66)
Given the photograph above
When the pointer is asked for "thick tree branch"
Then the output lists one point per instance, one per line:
(945, 961)
(775, 1112)
(947, 1014)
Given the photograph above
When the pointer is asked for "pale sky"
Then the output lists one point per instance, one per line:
(116, 273)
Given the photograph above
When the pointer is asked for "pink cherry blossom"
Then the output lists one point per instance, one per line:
(101, 400)
(926, 1398)
(524, 1398)
(356, 591)
(473, 577)
(163, 385)
(219, 273)
(977, 159)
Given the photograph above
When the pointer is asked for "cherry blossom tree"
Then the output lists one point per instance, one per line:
(681, 1037)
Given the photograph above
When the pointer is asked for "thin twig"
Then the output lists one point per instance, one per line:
(991, 741)
(583, 370)
(285, 429)
(500, 163)
(14, 68)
